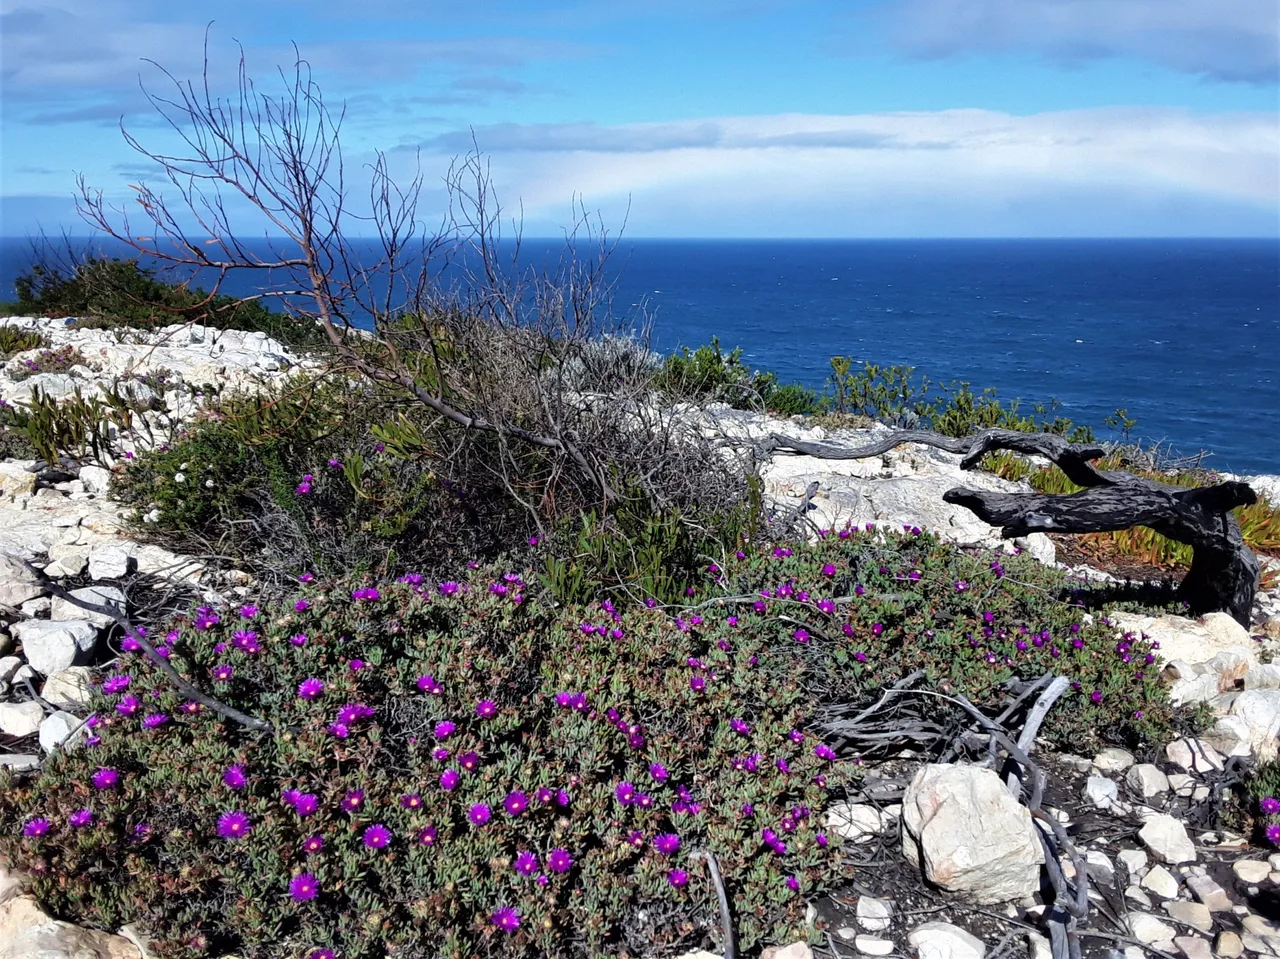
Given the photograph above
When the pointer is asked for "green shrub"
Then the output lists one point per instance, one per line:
(821, 626)
(110, 293)
(14, 339)
(56, 360)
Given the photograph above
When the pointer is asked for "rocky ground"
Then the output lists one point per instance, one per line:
(945, 862)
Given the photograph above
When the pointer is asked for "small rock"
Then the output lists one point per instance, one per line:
(1182, 784)
(857, 822)
(1135, 860)
(874, 915)
(1259, 926)
(1160, 881)
(20, 719)
(1274, 860)
(36, 607)
(108, 562)
(1038, 946)
(1147, 928)
(1193, 914)
(941, 940)
(1255, 944)
(9, 666)
(19, 762)
(1100, 791)
(1194, 755)
(108, 596)
(1137, 895)
(26, 932)
(1193, 947)
(69, 688)
(1228, 945)
(1099, 867)
(1166, 840)
(1113, 760)
(95, 479)
(1146, 780)
(67, 560)
(1210, 893)
(1251, 871)
(17, 583)
(51, 646)
(57, 730)
(871, 946)
(797, 950)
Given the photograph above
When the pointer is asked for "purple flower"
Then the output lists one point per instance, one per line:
(506, 919)
(739, 726)
(222, 673)
(1273, 834)
(310, 688)
(658, 772)
(515, 803)
(559, 860)
(1096, 696)
(153, 720)
(353, 713)
(321, 954)
(115, 683)
(526, 863)
(303, 887)
(233, 825)
(793, 883)
(678, 878)
(306, 804)
(36, 828)
(823, 751)
(128, 705)
(410, 801)
(479, 814)
(625, 792)
(353, 801)
(105, 779)
(307, 578)
(1270, 805)
(439, 754)
(312, 845)
(486, 708)
(80, 818)
(801, 636)
(469, 761)
(449, 779)
(444, 729)
(340, 730)
(298, 639)
(301, 606)
(666, 843)
(377, 836)
(428, 684)
(304, 488)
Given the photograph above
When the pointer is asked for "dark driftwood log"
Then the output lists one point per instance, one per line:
(1224, 572)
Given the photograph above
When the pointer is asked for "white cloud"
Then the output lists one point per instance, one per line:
(956, 172)
(1235, 40)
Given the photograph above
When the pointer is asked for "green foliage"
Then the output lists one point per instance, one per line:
(57, 360)
(1262, 793)
(891, 395)
(111, 293)
(711, 375)
(14, 339)
(83, 428)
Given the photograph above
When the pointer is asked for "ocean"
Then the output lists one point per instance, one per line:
(1184, 334)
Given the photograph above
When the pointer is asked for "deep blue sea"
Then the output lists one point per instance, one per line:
(1184, 334)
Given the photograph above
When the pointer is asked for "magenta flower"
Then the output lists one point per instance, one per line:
(410, 801)
(469, 761)
(506, 919)
(801, 636)
(233, 825)
(515, 803)
(739, 726)
(427, 836)
(115, 683)
(678, 878)
(105, 779)
(479, 814)
(128, 705)
(321, 954)
(793, 883)
(310, 688)
(80, 818)
(306, 804)
(298, 639)
(312, 845)
(36, 828)
(303, 887)
(377, 836)
(526, 863)
(444, 729)
(222, 673)
(625, 792)
(823, 751)
(486, 708)
(559, 860)
(301, 606)
(428, 684)
(353, 801)
(666, 843)
(1270, 805)
(449, 779)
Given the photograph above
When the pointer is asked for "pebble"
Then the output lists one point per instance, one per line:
(20, 719)
(941, 940)
(1210, 893)
(1147, 928)
(1166, 839)
(1101, 791)
(874, 915)
(1194, 914)
(1146, 780)
(1228, 945)
(871, 946)
(1193, 947)
(1160, 881)
(1135, 861)
(1251, 870)
(1113, 760)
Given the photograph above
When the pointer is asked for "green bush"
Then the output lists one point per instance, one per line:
(708, 374)
(56, 360)
(107, 293)
(723, 694)
(14, 339)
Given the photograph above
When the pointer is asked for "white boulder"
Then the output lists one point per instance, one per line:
(51, 646)
(1165, 838)
(20, 719)
(108, 596)
(941, 940)
(69, 688)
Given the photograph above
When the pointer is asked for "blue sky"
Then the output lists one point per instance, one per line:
(707, 117)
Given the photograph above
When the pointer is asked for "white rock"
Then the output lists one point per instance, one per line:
(26, 932)
(1113, 760)
(1259, 709)
(874, 915)
(20, 719)
(1101, 791)
(1210, 893)
(1160, 881)
(9, 666)
(1038, 946)
(857, 822)
(1194, 755)
(970, 836)
(58, 729)
(1228, 945)
(1165, 838)
(95, 479)
(1135, 860)
(36, 607)
(19, 762)
(941, 940)
(1251, 871)
(17, 584)
(15, 480)
(1194, 914)
(1137, 895)
(67, 560)
(108, 562)
(1147, 928)
(1146, 780)
(1193, 947)
(108, 596)
(51, 646)
(871, 946)
(1230, 736)
(69, 688)
(797, 950)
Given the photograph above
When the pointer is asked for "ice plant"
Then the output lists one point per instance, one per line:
(1270, 805)
(559, 860)
(303, 887)
(353, 801)
(506, 918)
(105, 779)
(36, 828)
(312, 845)
(526, 863)
(515, 803)
(486, 708)
(678, 878)
(233, 825)
(479, 814)
(666, 843)
(377, 836)
(310, 688)
(80, 818)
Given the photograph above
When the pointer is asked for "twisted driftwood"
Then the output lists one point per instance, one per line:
(1224, 572)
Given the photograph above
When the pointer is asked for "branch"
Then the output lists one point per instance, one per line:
(726, 917)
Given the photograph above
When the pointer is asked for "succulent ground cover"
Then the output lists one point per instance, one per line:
(461, 767)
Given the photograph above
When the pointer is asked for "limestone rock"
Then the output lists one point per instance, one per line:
(26, 932)
(1259, 710)
(1228, 945)
(871, 946)
(1251, 871)
(95, 479)
(67, 560)
(1160, 881)
(1101, 791)
(108, 596)
(17, 584)
(1135, 860)
(797, 950)
(57, 730)
(16, 481)
(970, 836)
(857, 822)
(51, 646)
(1147, 928)
(1210, 893)
(69, 688)
(108, 562)
(1193, 947)
(20, 719)
(1194, 914)
(1146, 780)
(1166, 839)
(874, 915)
(1192, 641)
(941, 940)
(9, 666)
(1113, 760)
(1194, 755)
(19, 762)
